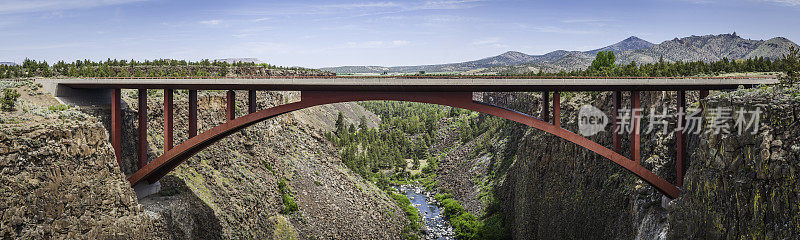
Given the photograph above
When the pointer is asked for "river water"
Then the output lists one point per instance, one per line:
(436, 227)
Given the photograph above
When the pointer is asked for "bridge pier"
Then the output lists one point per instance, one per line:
(617, 138)
(116, 123)
(635, 124)
(192, 113)
(681, 138)
(231, 108)
(142, 127)
(546, 106)
(557, 109)
(168, 119)
(251, 101)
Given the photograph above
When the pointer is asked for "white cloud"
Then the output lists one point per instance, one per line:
(363, 5)
(792, 3)
(401, 43)
(489, 42)
(262, 19)
(212, 22)
(27, 6)
(377, 44)
(553, 29)
(449, 4)
(486, 41)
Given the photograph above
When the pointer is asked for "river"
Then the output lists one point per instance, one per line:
(436, 227)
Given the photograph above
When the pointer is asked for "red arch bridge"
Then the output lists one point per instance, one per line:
(455, 91)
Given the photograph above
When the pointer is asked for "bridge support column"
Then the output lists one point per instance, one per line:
(681, 138)
(116, 124)
(168, 119)
(231, 109)
(617, 138)
(251, 101)
(546, 106)
(635, 127)
(557, 109)
(192, 113)
(142, 127)
(703, 95)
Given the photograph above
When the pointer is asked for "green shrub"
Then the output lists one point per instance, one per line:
(289, 205)
(493, 228)
(452, 208)
(466, 226)
(9, 100)
(58, 108)
(415, 222)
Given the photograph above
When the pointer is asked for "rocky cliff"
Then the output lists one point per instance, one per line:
(237, 179)
(59, 178)
(744, 186)
(736, 186)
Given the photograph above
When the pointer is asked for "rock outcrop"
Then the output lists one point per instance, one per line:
(59, 179)
(236, 179)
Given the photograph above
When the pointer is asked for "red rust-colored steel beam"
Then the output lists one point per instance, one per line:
(557, 109)
(546, 106)
(168, 112)
(636, 126)
(165, 163)
(142, 128)
(251, 101)
(231, 109)
(617, 138)
(192, 113)
(681, 139)
(116, 123)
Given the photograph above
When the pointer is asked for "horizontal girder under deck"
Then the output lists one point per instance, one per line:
(419, 84)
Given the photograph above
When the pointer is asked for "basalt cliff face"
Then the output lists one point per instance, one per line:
(60, 178)
(736, 186)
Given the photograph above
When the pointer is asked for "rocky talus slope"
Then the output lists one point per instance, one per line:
(235, 181)
(59, 178)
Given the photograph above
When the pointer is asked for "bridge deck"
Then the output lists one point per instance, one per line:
(418, 84)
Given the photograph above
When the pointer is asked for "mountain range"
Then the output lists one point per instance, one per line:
(633, 49)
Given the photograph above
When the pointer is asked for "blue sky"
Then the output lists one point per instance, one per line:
(370, 32)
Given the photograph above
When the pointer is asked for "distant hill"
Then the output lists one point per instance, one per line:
(235, 60)
(8, 64)
(631, 43)
(510, 58)
(693, 48)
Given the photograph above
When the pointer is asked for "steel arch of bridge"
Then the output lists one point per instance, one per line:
(173, 156)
